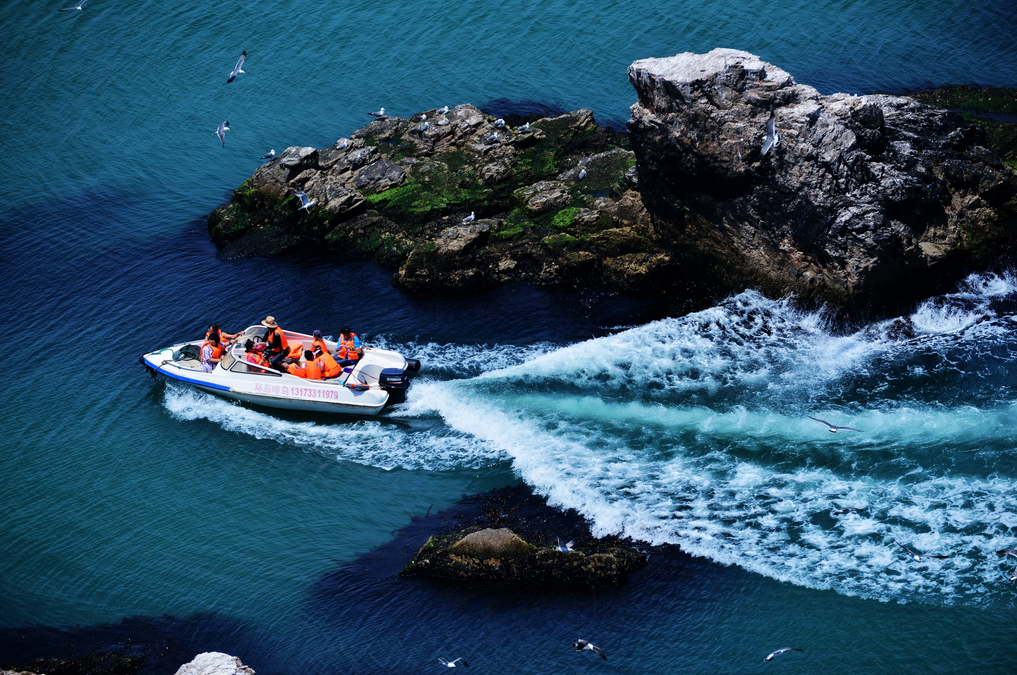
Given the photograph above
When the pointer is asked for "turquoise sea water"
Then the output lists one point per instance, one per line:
(218, 527)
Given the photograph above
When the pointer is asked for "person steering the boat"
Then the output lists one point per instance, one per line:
(349, 347)
(211, 353)
(276, 346)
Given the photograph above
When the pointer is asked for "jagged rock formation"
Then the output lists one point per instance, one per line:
(553, 203)
(865, 198)
(499, 555)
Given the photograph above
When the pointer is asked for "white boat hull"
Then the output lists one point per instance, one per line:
(358, 392)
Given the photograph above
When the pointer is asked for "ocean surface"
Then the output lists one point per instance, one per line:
(135, 510)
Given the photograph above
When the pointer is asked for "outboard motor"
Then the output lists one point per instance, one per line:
(412, 365)
(395, 382)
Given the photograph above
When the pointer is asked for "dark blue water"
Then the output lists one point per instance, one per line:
(136, 510)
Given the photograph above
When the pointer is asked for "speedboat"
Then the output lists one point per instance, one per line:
(377, 379)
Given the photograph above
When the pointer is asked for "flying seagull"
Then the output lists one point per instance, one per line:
(841, 512)
(780, 651)
(772, 138)
(307, 203)
(71, 9)
(566, 547)
(380, 114)
(442, 110)
(917, 557)
(470, 218)
(1012, 577)
(581, 645)
(834, 428)
(525, 127)
(236, 69)
(453, 664)
(1008, 551)
(221, 132)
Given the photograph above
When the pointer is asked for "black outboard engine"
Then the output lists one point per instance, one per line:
(412, 365)
(395, 382)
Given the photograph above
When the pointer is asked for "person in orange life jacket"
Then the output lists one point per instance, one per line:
(310, 371)
(318, 342)
(211, 353)
(277, 347)
(224, 337)
(328, 365)
(256, 353)
(349, 347)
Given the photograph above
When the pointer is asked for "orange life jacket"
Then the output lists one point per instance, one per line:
(296, 351)
(320, 343)
(258, 358)
(347, 346)
(329, 366)
(217, 350)
(295, 369)
(312, 370)
(282, 338)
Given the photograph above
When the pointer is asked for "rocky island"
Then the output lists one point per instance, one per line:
(860, 201)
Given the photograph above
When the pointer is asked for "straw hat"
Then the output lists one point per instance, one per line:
(269, 322)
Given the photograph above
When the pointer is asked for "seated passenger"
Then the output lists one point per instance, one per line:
(309, 371)
(256, 353)
(211, 353)
(318, 341)
(224, 337)
(328, 365)
(349, 347)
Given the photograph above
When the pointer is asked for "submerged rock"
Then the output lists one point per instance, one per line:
(863, 198)
(499, 555)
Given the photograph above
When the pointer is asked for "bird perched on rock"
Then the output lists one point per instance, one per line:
(442, 110)
(566, 547)
(424, 127)
(917, 557)
(380, 114)
(453, 664)
(470, 218)
(525, 127)
(422, 117)
(582, 174)
(307, 203)
(236, 69)
(342, 144)
(493, 138)
(221, 132)
(833, 428)
(500, 123)
(269, 155)
(443, 122)
(581, 645)
(772, 138)
(780, 651)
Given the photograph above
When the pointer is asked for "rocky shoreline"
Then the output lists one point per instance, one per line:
(866, 202)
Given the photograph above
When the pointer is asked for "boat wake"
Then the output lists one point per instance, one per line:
(696, 431)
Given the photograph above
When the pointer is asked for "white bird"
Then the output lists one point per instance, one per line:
(380, 114)
(442, 110)
(566, 547)
(841, 512)
(453, 664)
(425, 126)
(499, 123)
(422, 117)
(307, 203)
(342, 144)
(221, 132)
(443, 122)
(269, 155)
(1012, 577)
(780, 651)
(917, 557)
(582, 174)
(236, 69)
(833, 428)
(493, 138)
(581, 645)
(470, 218)
(525, 127)
(772, 138)
(71, 9)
